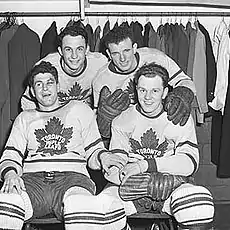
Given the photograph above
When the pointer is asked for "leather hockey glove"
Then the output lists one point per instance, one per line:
(110, 105)
(178, 104)
(158, 186)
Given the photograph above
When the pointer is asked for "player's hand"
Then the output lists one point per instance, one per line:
(131, 169)
(108, 160)
(13, 183)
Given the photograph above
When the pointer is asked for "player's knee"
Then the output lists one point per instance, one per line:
(192, 206)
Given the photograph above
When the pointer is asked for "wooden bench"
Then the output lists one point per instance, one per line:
(135, 221)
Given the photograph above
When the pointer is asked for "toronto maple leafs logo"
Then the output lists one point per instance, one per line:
(132, 92)
(54, 138)
(74, 93)
(149, 147)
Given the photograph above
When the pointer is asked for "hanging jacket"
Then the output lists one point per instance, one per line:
(49, 41)
(223, 169)
(137, 29)
(210, 64)
(222, 66)
(24, 52)
(199, 73)
(191, 32)
(106, 29)
(89, 31)
(97, 38)
(5, 122)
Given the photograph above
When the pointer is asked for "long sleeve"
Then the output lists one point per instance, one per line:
(15, 148)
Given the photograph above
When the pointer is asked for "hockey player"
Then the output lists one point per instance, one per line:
(113, 88)
(161, 157)
(76, 67)
(43, 166)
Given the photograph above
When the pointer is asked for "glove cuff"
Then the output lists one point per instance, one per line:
(184, 93)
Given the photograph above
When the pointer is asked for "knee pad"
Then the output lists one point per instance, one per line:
(12, 211)
(97, 212)
(192, 206)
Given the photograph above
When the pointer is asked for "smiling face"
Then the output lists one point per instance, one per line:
(123, 55)
(150, 93)
(45, 90)
(74, 51)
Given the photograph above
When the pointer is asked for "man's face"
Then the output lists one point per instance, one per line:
(123, 55)
(73, 50)
(45, 90)
(150, 93)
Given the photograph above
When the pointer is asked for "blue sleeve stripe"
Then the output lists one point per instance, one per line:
(93, 144)
(175, 74)
(194, 163)
(119, 151)
(16, 162)
(11, 148)
(187, 143)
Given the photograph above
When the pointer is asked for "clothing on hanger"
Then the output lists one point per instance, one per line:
(49, 40)
(24, 52)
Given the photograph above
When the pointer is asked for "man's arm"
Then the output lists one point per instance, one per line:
(185, 160)
(15, 148)
(178, 101)
(97, 156)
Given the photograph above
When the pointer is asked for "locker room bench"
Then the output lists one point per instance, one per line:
(135, 221)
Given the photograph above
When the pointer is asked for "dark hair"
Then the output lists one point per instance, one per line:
(42, 67)
(73, 31)
(118, 34)
(152, 70)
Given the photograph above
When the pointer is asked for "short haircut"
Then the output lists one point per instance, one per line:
(42, 67)
(118, 34)
(152, 70)
(73, 31)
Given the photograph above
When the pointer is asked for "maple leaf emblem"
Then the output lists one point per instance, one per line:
(132, 91)
(149, 146)
(74, 93)
(54, 138)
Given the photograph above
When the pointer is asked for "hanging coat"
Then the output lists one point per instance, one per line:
(24, 52)
(199, 73)
(89, 31)
(191, 32)
(137, 29)
(5, 122)
(97, 38)
(210, 63)
(223, 169)
(49, 41)
(106, 29)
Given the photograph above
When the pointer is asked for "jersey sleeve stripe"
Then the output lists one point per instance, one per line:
(11, 148)
(187, 143)
(175, 74)
(93, 144)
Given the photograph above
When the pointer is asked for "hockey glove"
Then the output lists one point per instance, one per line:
(110, 105)
(157, 186)
(178, 104)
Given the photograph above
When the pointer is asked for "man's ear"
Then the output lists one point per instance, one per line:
(134, 47)
(32, 91)
(60, 51)
(58, 87)
(108, 53)
(87, 50)
(165, 92)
